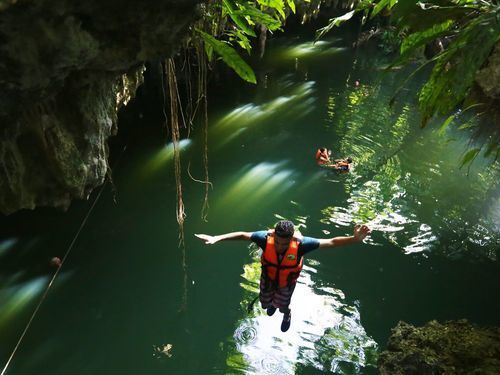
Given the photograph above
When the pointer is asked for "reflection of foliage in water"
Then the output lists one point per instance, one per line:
(406, 182)
(342, 350)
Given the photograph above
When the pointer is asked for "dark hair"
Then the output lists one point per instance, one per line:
(284, 228)
(349, 160)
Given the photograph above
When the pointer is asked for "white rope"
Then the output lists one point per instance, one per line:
(52, 280)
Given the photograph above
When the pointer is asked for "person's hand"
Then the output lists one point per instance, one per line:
(361, 231)
(209, 240)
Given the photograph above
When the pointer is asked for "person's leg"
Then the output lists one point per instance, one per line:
(282, 300)
(287, 320)
(266, 296)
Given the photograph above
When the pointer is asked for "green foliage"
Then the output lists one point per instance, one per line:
(456, 68)
(472, 27)
(470, 156)
(257, 16)
(447, 122)
(238, 18)
(334, 22)
(239, 37)
(277, 5)
(230, 23)
(381, 5)
(420, 38)
(230, 57)
(391, 40)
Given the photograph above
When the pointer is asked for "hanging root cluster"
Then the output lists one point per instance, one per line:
(169, 67)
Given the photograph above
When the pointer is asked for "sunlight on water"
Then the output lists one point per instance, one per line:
(16, 297)
(320, 48)
(326, 334)
(296, 102)
(421, 241)
(407, 181)
(163, 156)
(254, 183)
(7, 244)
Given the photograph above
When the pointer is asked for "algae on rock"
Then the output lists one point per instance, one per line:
(455, 347)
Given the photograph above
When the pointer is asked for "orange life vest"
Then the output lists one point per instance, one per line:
(287, 271)
(343, 166)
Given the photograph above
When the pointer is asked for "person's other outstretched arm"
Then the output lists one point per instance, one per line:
(210, 240)
(360, 232)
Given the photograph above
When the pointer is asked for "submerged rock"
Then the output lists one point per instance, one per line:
(488, 78)
(65, 69)
(455, 347)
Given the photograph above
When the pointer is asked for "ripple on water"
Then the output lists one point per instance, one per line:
(245, 334)
(270, 364)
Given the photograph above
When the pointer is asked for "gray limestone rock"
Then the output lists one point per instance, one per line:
(65, 69)
(455, 347)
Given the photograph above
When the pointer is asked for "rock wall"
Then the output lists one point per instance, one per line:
(488, 78)
(65, 69)
(455, 347)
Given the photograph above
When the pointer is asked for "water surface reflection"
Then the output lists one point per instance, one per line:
(326, 333)
(407, 182)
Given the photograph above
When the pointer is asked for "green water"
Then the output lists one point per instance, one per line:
(123, 293)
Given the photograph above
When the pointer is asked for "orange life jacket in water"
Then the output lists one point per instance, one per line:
(320, 154)
(343, 166)
(287, 271)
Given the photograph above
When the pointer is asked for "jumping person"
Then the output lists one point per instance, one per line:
(282, 259)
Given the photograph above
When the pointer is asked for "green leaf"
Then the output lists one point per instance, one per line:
(335, 22)
(491, 147)
(445, 124)
(412, 41)
(470, 156)
(239, 21)
(291, 4)
(455, 69)
(230, 57)
(408, 14)
(257, 16)
(383, 4)
(277, 5)
(473, 106)
(240, 38)
(209, 51)
(467, 125)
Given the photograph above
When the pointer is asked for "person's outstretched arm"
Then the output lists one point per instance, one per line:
(210, 240)
(360, 232)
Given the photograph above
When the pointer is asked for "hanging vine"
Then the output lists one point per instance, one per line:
(225, 23)
(170, 73)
